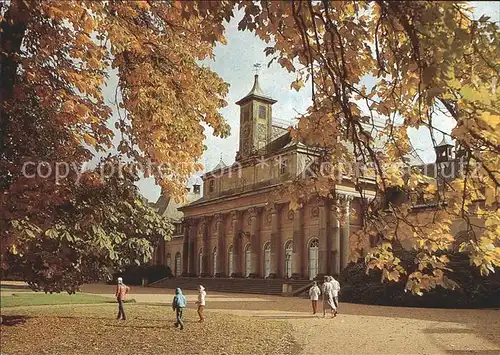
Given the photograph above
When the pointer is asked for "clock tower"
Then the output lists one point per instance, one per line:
(255, 121)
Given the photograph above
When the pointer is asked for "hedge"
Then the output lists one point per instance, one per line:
(475, 291)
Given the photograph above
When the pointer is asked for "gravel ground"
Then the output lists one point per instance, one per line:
(358, 329)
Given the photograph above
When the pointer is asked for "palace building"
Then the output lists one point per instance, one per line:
(233, 230)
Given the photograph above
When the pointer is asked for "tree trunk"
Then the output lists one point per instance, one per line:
(13, 29)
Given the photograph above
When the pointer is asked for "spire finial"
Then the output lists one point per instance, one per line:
(257, 68)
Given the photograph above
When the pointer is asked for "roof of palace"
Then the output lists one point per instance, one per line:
(168, 207)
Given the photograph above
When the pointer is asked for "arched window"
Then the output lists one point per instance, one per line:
(313, 258)
(230, 260)
(288, 258)
(169, 260)
(248, 260)
(267, 259)
(200, 261)
(178, 264)
(214, 260)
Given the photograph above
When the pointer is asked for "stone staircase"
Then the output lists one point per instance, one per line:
(253, 286)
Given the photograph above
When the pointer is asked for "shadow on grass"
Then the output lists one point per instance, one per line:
(126, 301)
(7, 287)
(284, 316)
(164, 323)
(14, 320)
(124, 325)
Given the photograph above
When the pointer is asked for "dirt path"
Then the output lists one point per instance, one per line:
(359, 334)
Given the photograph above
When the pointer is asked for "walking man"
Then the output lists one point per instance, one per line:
(328, 301)
(335, 293)
(121, 294)
(314, 293)
(178, 305)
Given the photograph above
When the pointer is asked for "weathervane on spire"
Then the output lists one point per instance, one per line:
(257, 68)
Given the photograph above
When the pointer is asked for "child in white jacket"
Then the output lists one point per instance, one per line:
(201, 302)
(314, 293)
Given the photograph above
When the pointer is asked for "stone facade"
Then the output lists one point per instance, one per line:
(235, 230)
(240, 228)
(249, 237)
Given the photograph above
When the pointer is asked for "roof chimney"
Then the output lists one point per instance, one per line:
(196, 189)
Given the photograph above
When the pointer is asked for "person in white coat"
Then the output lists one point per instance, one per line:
(328, 301)
(314, 293)
(335, 294)
(201, 303)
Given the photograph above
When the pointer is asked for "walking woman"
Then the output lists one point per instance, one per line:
(201, 303)
(328, 300)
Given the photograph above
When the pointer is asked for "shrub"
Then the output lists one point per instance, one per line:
(475, 290)
(134, 275)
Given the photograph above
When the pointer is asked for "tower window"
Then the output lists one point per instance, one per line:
(262, 111)
(211, 185)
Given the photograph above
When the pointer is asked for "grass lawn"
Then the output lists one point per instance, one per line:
(93, 329)
(40, 298)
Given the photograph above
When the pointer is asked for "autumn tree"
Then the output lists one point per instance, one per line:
(424, 57)
(104, 226)
(54, 61)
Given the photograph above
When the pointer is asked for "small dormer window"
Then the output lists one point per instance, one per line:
(211, 185)
(262, 111)
(283, 164)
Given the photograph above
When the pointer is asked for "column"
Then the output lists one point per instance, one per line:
(345, 232)
(335, 238)
(322, 236)
(192, 248)
(206, 246)
(275, 239)
(221, 249)
(236, 225)
(185, 250)
(196, 248)
(298, 240)
(255, 240)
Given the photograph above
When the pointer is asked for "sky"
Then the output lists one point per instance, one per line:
(234, 63)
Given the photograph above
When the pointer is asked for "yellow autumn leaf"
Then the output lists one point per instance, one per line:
(89, 139)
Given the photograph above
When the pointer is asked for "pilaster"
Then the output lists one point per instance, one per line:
(204, 224)
(322, 236)
(237, 247)
(345, 230)
(185, 248)
(273, 211)
(298, 241)
(335, 237)
(221, 248)
(255, 240)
